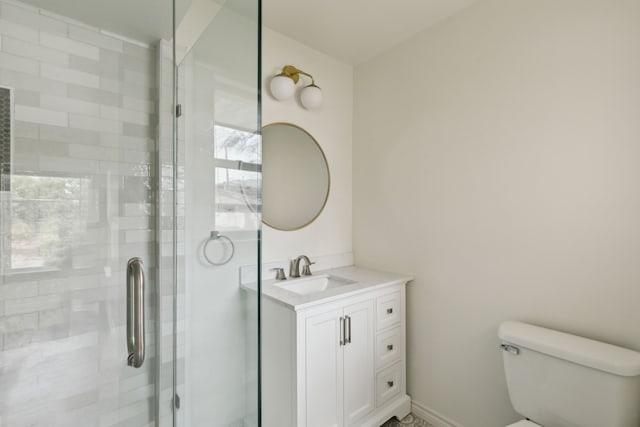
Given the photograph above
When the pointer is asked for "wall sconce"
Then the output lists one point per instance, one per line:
(283, 86)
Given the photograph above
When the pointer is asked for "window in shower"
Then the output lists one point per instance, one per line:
(237, 178)
(48, 214)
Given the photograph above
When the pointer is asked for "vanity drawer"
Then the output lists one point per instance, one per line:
(388, 384)
(388, 347)
(388, 310)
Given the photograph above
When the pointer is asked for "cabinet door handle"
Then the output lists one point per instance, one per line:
(348, 339)
(389, 347)
(342, 331)
(390, 384)
(389, 310)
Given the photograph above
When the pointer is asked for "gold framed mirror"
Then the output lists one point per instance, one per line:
(295, 177)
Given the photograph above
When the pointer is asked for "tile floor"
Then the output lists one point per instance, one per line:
(409, 420)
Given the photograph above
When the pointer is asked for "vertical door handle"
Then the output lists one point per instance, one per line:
(348, 337)
(135, 312)
(342, 331)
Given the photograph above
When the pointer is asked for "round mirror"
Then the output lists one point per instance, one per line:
(295, 177)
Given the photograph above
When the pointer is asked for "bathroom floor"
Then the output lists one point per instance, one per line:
(409, 420)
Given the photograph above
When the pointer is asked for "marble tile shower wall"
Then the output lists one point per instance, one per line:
(85, 114)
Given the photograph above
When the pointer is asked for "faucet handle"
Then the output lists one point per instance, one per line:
(294, 269)
(306, 271)
(279, 273)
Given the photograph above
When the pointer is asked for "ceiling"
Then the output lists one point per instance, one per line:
(143, 20)
(354, 31)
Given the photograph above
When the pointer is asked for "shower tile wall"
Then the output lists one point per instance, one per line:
(85, 119)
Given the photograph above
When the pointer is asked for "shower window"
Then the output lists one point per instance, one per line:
(237, 178)
(48, 213)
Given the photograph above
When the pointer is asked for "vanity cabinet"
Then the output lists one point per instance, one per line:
(338, 363)
(339, 347)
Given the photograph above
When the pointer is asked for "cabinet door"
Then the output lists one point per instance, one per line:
(359, 356)
(324, 388)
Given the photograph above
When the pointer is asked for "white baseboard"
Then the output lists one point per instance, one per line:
(431, 416)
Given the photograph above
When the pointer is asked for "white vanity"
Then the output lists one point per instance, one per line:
(333, 348)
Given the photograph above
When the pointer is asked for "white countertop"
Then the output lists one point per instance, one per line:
(366, 280)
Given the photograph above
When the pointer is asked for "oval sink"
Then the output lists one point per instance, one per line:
(313, 284)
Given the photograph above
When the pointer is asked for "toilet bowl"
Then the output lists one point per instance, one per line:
(524, 423)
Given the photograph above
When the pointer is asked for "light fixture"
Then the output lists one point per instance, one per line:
(283, 86)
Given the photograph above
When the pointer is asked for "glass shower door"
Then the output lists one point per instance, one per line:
(79, 175)
(219, 156)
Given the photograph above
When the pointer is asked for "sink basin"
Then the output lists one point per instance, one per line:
(313, 284)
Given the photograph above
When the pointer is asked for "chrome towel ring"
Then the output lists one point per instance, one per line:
(215, 235)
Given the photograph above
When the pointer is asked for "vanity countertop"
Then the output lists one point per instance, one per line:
(365, 280)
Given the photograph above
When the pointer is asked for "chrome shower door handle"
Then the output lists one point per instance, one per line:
(135, 312)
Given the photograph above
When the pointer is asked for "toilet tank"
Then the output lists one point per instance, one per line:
(561, 380)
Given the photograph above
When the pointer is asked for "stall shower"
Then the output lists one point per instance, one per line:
(129, 199)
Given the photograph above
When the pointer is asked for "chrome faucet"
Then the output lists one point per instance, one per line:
(294, 266)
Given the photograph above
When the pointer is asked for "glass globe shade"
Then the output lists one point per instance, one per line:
(282, 87)
(311, 97)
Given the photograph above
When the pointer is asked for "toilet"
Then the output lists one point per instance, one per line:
(557, 379)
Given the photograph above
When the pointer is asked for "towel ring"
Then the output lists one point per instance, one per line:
(215, 235)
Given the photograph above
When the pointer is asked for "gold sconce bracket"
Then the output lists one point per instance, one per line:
(294, 73)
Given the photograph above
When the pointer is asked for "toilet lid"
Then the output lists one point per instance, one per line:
(524, 423)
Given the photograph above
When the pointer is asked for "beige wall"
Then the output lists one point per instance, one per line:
(331, 126)
(496, 158)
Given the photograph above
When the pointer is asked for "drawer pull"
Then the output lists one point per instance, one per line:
(389, 347)
(390, 384)
(389, 310)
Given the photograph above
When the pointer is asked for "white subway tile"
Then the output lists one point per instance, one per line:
(133, 223)
(27, 81)
(41, 116)
(135, 156)
(19, 290)
(136, 236)
(128, 142)
(33, 304)
(50, 318)
(92, 152)
(72, 343)
(138, 78)
(18, 323)
(66, 164)
(95, 38)
(93, 95)
(136, 104)
(95, 124)
(124, 169)
(111, 85)
(87, 65)
(18, 31)
(66, 75)
(124, 115)
(35, 51)
(19, 64)
(70, 46)
(32, 18)
(69, 105)
(68, 135)
(138, 209)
